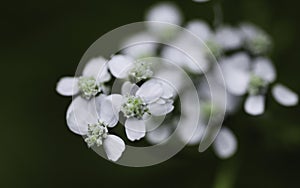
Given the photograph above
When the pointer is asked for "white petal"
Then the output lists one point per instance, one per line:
(129, 88)
(79, 114)
(236, 72)
(255, 104)
(163, 14)
(157, 109)
(198, 134)
(117, 101)
(67, 86)
(140, 45)
(113, 146)
(97, 68)
(119, 65)
(264, 68)
(135, 129)
(200, 29)
(158, 135)
(190, 133)
(237, 82)
(225, 144)
(108, 113)
(284, 95)
(228, 37)
(150, 91)
(168, 90)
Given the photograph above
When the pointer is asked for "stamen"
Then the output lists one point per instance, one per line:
(134, 107)
(257, 85)
(140, 71)
(96, 133)
(215, 49)
(88, 87)
(260, 44)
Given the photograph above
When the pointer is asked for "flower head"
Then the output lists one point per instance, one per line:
(92, 118)
(96, 133)
(256, 40)
(89, 84)
(153, 98)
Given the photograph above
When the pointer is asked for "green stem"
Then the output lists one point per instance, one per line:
(227, 174)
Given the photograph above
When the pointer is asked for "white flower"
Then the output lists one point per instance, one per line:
(161, 16)
(263, 73)
(242, 76)
(91, 118)
(253, 78)
(136, 104)
(225, 144)
(94, 75)
(125, 67)
(256, 40)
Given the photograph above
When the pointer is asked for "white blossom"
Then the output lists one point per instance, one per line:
(94, 75)
(152, 98)
(92, 118)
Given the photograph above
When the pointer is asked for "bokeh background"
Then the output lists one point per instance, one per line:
(44, 40)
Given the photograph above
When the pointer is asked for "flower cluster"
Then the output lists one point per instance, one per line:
(240, 52)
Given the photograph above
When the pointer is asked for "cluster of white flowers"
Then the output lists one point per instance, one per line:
(94, 111)
(240, 52)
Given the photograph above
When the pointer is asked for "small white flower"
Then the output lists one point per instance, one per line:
(152, 98)
(94, 75)
(91, 118)
(161, 16)
(256, 40)
(253, 78)
(225, 144)
(125, 67)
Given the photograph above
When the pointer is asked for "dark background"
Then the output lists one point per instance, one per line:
(44, 40)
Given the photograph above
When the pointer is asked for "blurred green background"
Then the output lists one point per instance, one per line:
(44, 40)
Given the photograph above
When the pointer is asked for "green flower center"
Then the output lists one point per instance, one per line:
(140, 71)
(215, 48)
(88, 87)
(260, 44)
(134, 107)
(96, 133)
(208, 109)
(257, 85)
